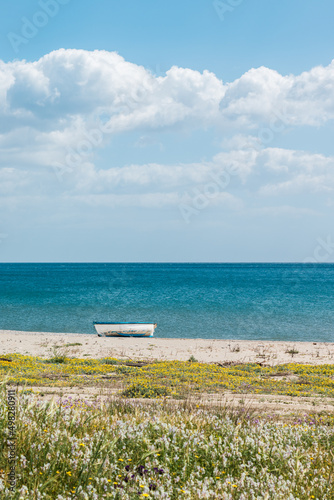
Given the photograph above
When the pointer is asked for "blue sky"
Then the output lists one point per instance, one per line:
(290, 37)
(166, 131)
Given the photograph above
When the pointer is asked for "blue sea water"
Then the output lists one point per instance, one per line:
(219, 301)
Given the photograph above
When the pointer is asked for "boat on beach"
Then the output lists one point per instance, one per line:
(124, 329)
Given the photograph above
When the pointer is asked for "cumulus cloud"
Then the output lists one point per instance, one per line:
(262, 94)
(231, 176)
(57, 111)
(69, 83)
(293, 172)
(49, 94)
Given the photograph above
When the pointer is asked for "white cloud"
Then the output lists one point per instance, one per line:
(283, 211)
(237, 174)
(263, 95)
(294, 172)
(53, 92)
(66, 105)
(69, 83)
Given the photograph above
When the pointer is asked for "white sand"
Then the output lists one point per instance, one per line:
(204, 350)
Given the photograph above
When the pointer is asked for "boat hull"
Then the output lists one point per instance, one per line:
(125, 329)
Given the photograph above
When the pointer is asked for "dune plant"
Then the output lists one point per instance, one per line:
(70, 449)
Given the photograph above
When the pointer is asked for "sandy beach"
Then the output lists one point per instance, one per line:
(203, 350)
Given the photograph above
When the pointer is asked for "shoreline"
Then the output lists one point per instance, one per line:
(167, 349)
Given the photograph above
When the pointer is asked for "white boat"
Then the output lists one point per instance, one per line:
(125, 329)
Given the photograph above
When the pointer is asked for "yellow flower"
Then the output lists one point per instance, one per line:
(120, 460)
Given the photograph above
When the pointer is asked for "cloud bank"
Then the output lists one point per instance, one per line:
(57, 112)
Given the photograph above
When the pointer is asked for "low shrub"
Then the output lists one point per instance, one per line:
(145, 391)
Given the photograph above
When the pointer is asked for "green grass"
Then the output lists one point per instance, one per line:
(178, 377)
(122, 450)
(145, 391)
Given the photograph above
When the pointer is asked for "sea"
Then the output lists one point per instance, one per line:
(288, 302)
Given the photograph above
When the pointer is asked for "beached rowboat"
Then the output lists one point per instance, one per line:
(125, 329)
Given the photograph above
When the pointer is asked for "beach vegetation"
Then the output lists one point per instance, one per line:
(56, 359)
(292, 351)
(70, 449)
(146, 390)
(180, 378)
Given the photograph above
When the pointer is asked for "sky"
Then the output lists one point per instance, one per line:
(151, 131)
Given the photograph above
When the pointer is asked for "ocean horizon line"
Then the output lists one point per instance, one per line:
(175, 262)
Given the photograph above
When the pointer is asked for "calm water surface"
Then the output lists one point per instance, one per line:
(240, 301)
